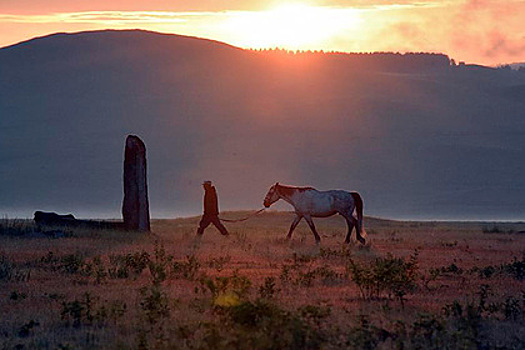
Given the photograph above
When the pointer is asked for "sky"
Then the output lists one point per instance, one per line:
(488, 32)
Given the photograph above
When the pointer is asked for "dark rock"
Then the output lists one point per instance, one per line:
(51, 218)
(135, 206)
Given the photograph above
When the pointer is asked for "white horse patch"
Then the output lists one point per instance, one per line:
(309, 202)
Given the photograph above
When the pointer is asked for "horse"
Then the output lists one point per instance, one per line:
(309, 202)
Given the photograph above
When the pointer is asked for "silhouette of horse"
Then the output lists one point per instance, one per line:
(309, 202)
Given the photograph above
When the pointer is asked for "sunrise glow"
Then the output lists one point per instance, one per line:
(291, 26)
(486, 32)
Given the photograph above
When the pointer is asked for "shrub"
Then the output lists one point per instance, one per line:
(88, 310)
(216, 263)
(16, 296)
(131, 264)
(98, 270)
(154, 304)
(496, 229)
(302, 273)
(268, 289)
(433, 274)
(10, 272)
(188, 269)
(78, 312)
(315, 314)
(73, 263)
(155, 313)
(393, 276)
(160, 264)
(428, 332)
(27, 328)
(6, 268)
(227, 291)
(15, 227)
(364, 336)
(512, 309)
(344, 252)
(324, 273)
(50, 258)
(119, 267)
(515, 269)
(262, 325)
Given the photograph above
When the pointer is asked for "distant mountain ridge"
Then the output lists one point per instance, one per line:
(415, 134)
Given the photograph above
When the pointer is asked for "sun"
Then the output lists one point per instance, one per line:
(292, 26)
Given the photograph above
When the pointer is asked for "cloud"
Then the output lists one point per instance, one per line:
(500, 44)
(386, 4)
(489, 28)
(109, 16)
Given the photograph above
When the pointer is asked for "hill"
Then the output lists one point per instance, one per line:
(417, 136)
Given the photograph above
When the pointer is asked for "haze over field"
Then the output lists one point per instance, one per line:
(415, 135)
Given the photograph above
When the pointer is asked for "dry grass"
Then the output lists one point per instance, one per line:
(39, 288)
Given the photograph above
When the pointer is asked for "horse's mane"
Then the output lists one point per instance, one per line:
(288, 188)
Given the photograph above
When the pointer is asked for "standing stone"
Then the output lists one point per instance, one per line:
(135, 207)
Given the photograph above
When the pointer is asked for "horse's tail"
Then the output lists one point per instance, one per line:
(359, 210)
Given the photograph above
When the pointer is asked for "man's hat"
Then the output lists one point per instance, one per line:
(207, 182)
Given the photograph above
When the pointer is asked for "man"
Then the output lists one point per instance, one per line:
(211, 210)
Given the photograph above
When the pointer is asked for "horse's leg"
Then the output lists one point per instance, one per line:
(350, 222)
(312, 227)
(293, 226)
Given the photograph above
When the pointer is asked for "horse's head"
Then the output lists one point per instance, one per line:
(272, 196)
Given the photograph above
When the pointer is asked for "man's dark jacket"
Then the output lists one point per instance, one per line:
(211, 205)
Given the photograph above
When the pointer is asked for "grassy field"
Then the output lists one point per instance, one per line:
(415, 285)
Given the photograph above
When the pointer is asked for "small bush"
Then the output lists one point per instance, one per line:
(515, 269)
(365, 335)
(393, 276)
(15, 227)
(6, 268)
(217, 263)
(268, 290)
(227, 291)
(303, 273)
(27, 328)
(16, 296)
(160, 264)
(262, 325)
(78, 312)
(343, 253)
(119, 268)
(427, 332)
(188, 269)
(97, 270)
(323, 273)
(315, 314)
(88, 310)
(154, 304)
(10, 272)
(496, 229)
(73, 263)
(128, 265)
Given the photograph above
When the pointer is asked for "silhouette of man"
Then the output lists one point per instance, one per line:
(211, 210)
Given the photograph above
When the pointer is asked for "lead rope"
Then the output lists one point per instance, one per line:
(246, 218)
